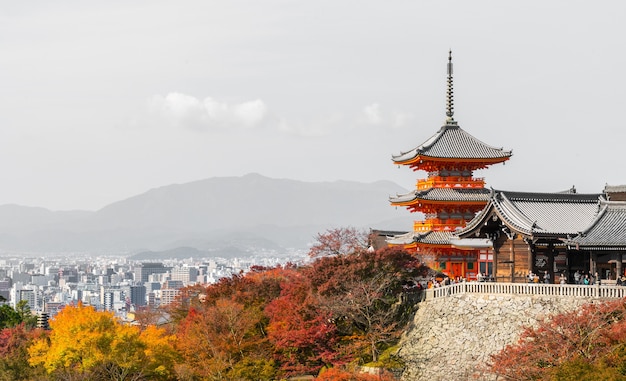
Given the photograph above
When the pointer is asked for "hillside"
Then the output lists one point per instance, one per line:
(250, 211)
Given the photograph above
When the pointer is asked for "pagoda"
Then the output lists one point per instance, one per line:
(449, 196)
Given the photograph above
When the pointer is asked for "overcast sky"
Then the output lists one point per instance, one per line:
(101, 101)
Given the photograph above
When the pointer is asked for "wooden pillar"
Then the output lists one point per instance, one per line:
(512, 257)
(494, 264)
(530, 257)
(593, 258)
(618, 265)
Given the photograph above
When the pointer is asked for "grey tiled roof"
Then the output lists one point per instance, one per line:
(435, 238)
(444, 194)
(540, 214)
(431, 237)
(615, 188)
(451, 141)
(607, 231)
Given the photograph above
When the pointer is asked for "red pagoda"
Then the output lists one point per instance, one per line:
(449, 196)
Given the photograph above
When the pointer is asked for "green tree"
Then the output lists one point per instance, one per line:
(25, 315)
(8, 317)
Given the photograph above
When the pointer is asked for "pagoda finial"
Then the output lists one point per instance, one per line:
(450, 93)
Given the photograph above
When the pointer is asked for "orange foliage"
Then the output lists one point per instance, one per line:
(336, 374)
(85, 342)
(212, 341)
(593, 334)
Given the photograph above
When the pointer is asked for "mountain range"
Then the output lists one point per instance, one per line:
(228, 214)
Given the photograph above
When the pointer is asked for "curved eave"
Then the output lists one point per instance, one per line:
(453, 142)
(434, 245)
(484, 215)
(407, 246)
(603, 211)
(471, 243)
(474, 224)
(420, 159)
(513, 217)
(424, 201)
(443, 196)
(619, 247)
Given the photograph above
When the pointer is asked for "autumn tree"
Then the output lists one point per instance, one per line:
(363, 292)
(255, 288)
(147, 316)
(14, 342)
(300, 329)
(339, 374)
(287, 320)
(226, 320)
(339, 241)
(583, 344)
(223, 339)
(86, 344)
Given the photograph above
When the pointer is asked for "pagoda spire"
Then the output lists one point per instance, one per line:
(450, 94)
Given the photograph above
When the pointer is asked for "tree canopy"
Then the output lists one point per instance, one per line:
(586, 344)
(324, 318)
(89, 344)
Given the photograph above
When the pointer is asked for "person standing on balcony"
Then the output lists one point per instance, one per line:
(577, 277)
(546, 277)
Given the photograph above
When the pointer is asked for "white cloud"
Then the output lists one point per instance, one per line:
(181, 110)
(376, 115)
(250, 113)
(400, 119)
(320, 126)
(372, 113)
(186, 111)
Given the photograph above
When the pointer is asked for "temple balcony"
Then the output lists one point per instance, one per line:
(436, 224)
(450, 182)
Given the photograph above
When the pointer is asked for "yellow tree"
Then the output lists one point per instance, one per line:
(86, 344)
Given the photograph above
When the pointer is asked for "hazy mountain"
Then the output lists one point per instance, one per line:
(240, 212)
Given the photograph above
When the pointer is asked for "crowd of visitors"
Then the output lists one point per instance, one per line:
(579, 278)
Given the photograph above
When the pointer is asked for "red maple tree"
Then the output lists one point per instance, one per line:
(590, 341)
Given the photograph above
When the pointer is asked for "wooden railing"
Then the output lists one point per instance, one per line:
(557, 290)
(450, 182)
(438, 224)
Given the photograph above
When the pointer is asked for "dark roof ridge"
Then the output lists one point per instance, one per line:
(550, 196)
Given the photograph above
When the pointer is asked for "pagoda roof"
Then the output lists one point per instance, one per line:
(452, 142)
(428, 238)
(538, 214)
(608, 230)
(443, 194)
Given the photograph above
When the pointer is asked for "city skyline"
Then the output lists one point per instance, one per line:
(103, 101)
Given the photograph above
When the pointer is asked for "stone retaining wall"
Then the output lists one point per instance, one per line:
(452, 338)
